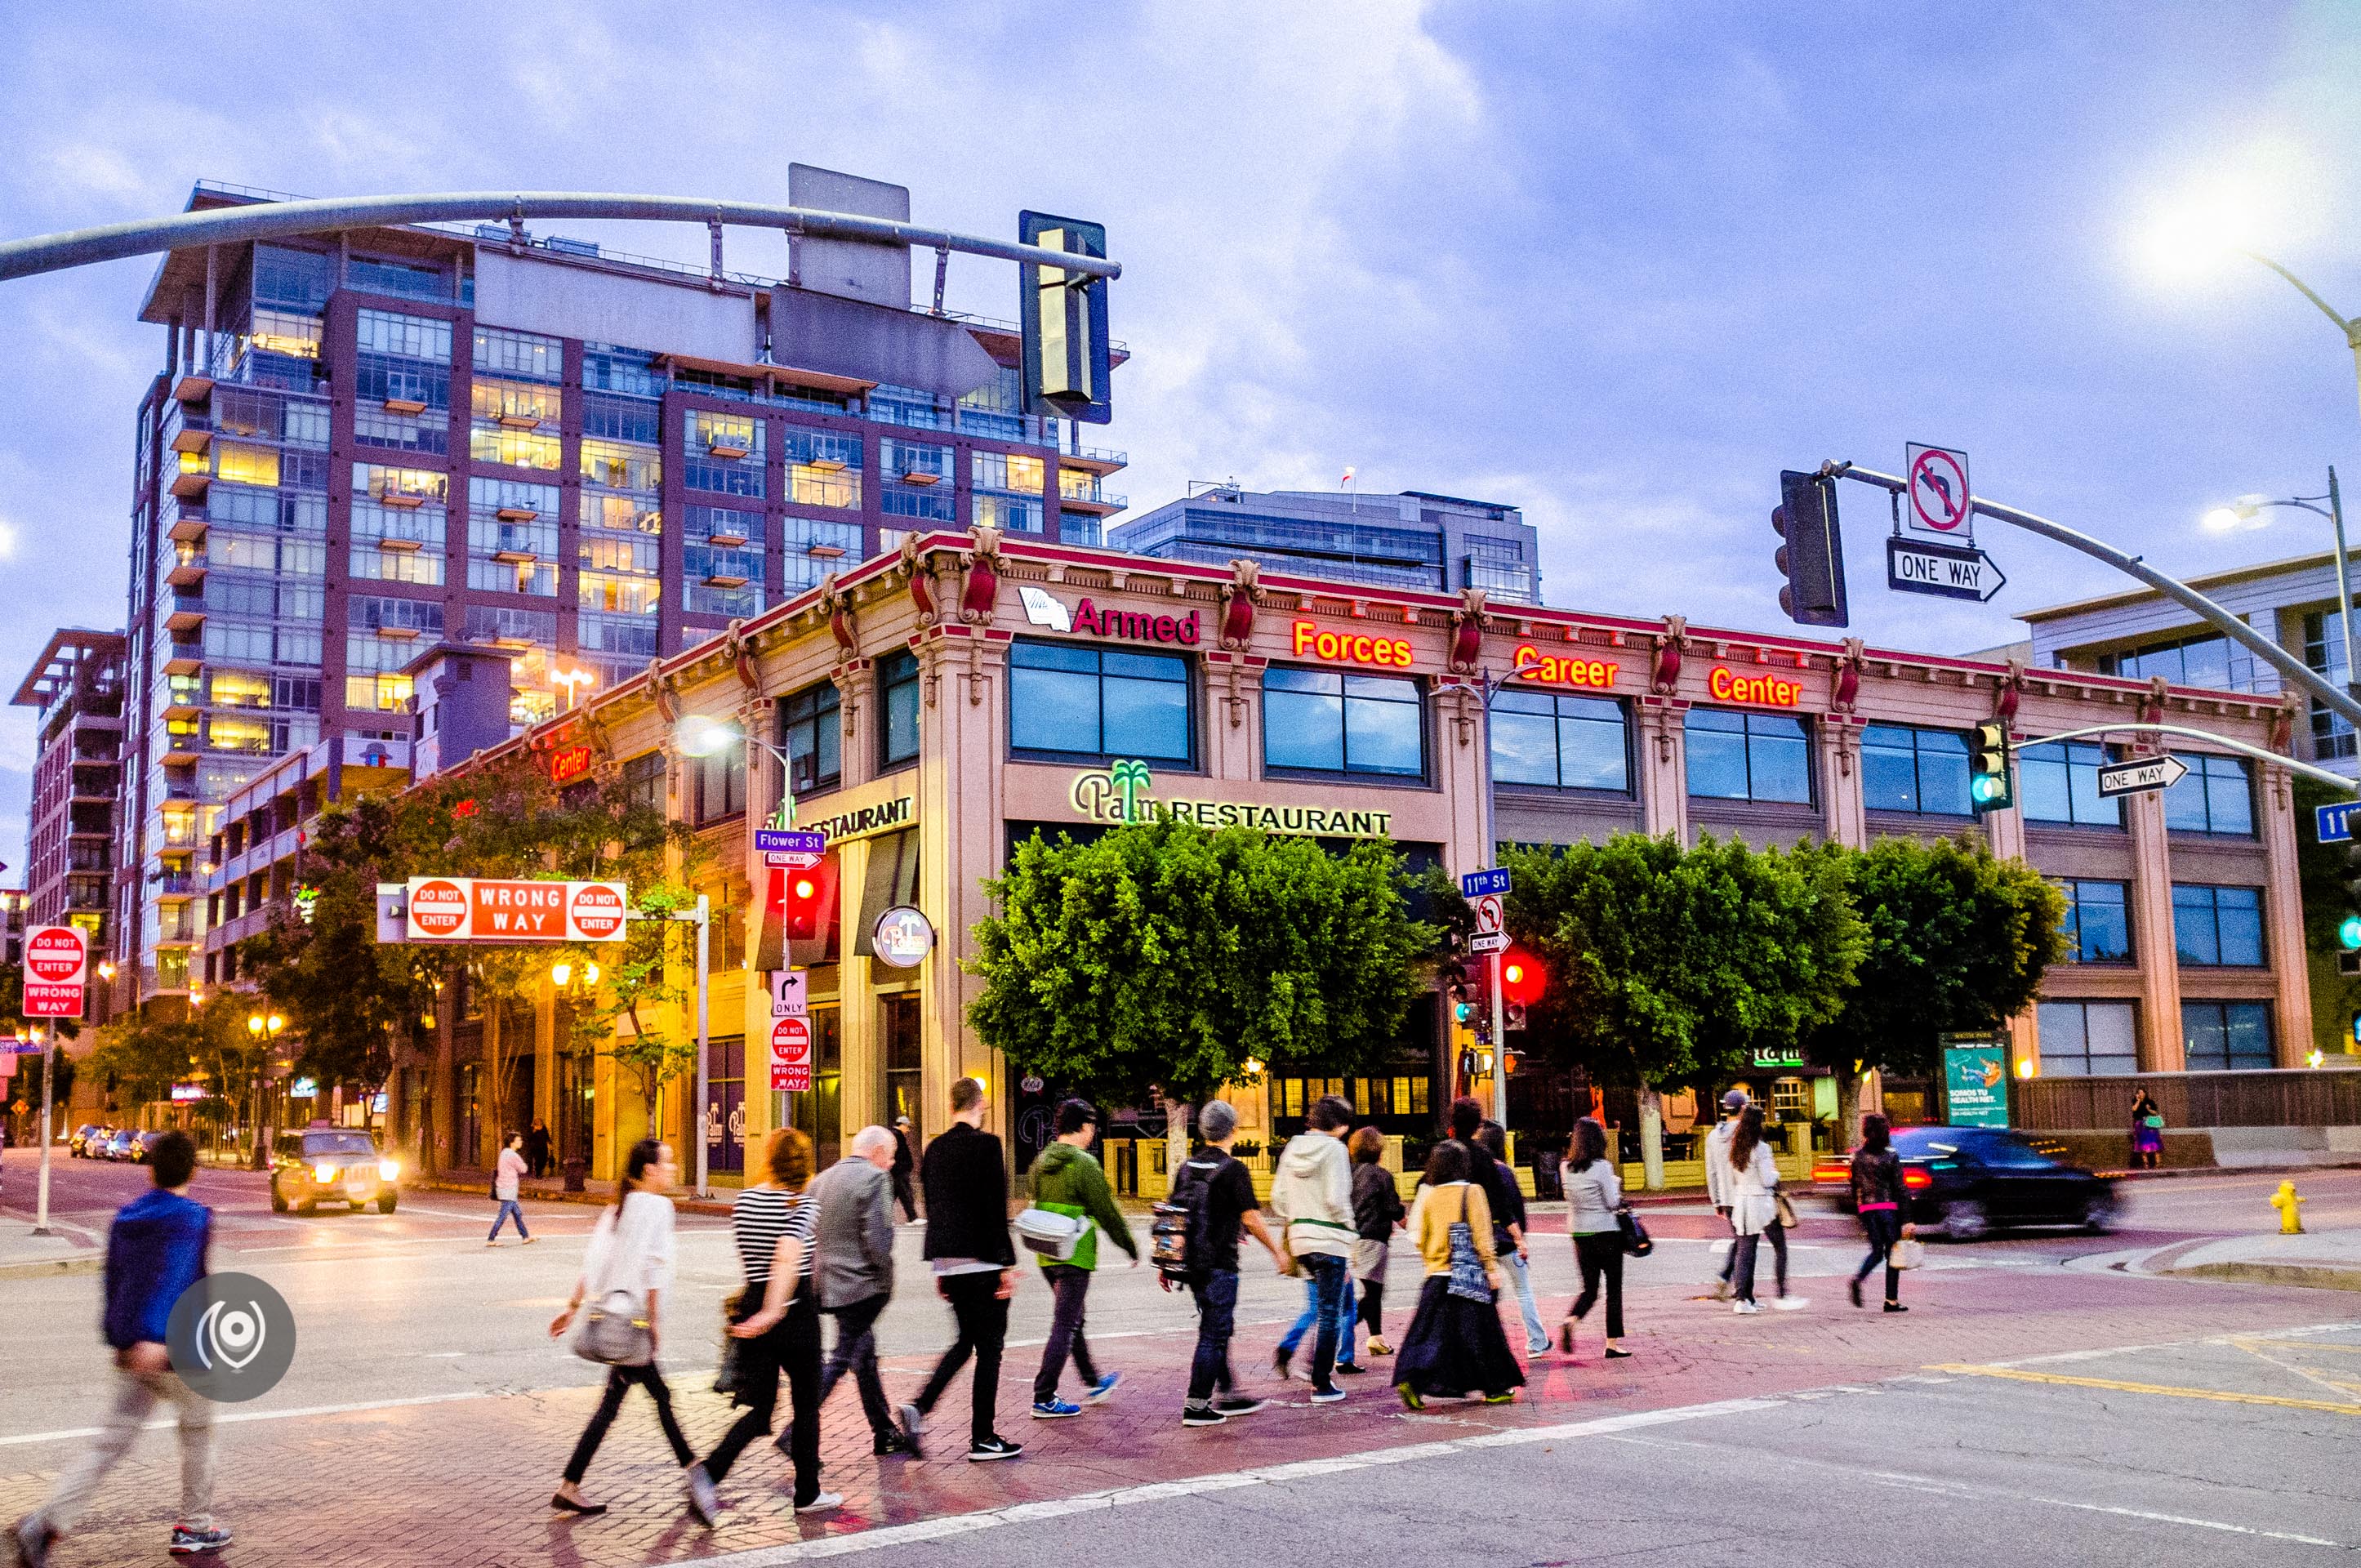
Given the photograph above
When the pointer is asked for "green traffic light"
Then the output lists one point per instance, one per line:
(2349, 932)
(1987, 787)
(1462, 1011)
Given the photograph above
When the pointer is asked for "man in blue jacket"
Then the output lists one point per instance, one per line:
(155, 1250)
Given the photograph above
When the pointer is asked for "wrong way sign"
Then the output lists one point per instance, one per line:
(57, 965)
(1938, 478)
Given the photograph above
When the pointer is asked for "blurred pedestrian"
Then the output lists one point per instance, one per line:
(631, 1252)
(1216, 1193)
(2147, 1133)
(1719, 1178)
(156, 1248)
(905, 1163)
(1313, 1195)
(536, 1149)
(1507, 1198)
(1754, 1210)
(966, 1179)
(1593, 1191)
(1377, 1212)
(854, 1276)
(507, 1169)
(1883, 1202)
(776, 1325)
(1067, 1180)
(1455, 1345)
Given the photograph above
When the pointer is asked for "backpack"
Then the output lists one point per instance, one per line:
(1181, 1237)
(1050, 1233)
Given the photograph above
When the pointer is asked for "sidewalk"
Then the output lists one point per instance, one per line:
(70, 1250)
(2324, 1259)
(552, 1189)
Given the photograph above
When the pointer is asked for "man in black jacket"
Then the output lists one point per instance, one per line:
(966, 1183)
(905, 1165)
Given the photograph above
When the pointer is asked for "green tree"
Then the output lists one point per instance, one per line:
(1958, 939)
(142, 1054)
(1163, 956)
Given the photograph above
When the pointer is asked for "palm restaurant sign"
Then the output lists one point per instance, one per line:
(1122, 793)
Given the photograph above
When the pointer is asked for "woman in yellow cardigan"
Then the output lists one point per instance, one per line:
(1455, 1346)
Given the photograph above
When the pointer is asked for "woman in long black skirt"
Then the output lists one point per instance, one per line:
(1456, 1345)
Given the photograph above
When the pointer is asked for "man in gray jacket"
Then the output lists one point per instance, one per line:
(853, 1272)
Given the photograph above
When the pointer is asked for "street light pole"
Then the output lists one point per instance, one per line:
(704, 934)
(2344, 578)
(48, 1095)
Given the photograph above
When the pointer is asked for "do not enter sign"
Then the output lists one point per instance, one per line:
(57, 963)
(791, 1063)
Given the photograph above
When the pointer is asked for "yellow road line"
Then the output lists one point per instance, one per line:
(2019, 1376)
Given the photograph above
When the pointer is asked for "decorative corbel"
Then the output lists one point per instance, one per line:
(1240, 596)
(1237, 698)
(742, 658)
(915, 568)
(2151, 707)
(1467, 633)
(1848, 687)
(2282, 735)
(982, 564)
(836, 605)
(1464, 716)
(976, 677)
(666, 693)
(2012, 690)
(1665, 680)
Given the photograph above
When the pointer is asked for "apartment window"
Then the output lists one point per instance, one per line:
(513, 628)
(1748, 756)
(380, 378)
(2216, 796)
(1560, 742)
(2211, 661)
(2061, 784)
(512, 536)
(2087, 1039)
(2226, 1036)
(897, 696)
(812, 737)
(411, 337)
(630, 635)
(1330, 722)
(521, 354)
(718, 785)
(405, 279)
(723, 452)
(1907, 768)
(620, 419)
(630, 371)
(621, 467)
(1085, 701)
(298, 279)
(907, 405)
(823, 467)
(643, 781)
(919, 480)
(2323, 650)
(622, 514)
(810, 549)
(611, 593)
(2097, 925)
(2217, 925)
(636, 555)
(380, 693)
(426, 434)
(400, 487)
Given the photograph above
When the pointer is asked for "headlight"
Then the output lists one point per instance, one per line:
(389, 1168)
(324, 1173)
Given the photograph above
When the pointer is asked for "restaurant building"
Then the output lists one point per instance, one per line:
(937, 706)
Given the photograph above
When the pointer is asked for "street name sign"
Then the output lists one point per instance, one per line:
(788, 846)
(1476, 884)
(2141, 776)
(57, 962)
(1945, 571)
(2334, 824)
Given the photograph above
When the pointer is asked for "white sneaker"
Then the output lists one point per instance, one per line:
(821, 1503)
(1791, 1303)
(1745, 1308)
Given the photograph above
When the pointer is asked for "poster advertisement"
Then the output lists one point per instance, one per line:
(1975, 1081)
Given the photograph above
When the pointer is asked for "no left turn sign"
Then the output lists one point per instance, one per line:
(1938, 492)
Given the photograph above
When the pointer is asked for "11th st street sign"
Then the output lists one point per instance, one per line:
(1947, 571)
(2139, 777)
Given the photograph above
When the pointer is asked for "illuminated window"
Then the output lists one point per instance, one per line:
(516, 448)
(621, 513)
(383, 692)
(616, 595)
(281, 332)
(521, 404)
(1791, 1100)
(240, 689)
(241, 464)
(1005, 471)
(520, 353)
(397, 485)
(622, 468)
(635, 553)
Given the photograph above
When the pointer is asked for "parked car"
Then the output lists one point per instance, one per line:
(1965, 1181)
(118, 1143)
(77, 1142)
(330, 1164)
(143, 1145)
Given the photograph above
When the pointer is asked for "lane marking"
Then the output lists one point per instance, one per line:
(2117, 1385)
(223, 1417)
(2307, 1331)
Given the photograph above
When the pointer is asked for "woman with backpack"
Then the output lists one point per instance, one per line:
(1755, 1210)
(1376, 1210)
(629, 1263)
(1456, 1345)
(1593, 1191)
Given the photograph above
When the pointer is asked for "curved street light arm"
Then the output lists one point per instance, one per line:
(2291, 668)
(2351, 329)
(2258, 752)
(269, 220)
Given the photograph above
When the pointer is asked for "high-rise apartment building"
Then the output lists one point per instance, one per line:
(365, 444)
(76, 686)
(1433, 544)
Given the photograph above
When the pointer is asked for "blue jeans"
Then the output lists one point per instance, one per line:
(509, 1211)
(1536, 1336)
(1332, 1281)
(1217, 1308)
(1311, 1318)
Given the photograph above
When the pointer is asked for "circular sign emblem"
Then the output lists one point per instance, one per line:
(55, 954)
(902, 937)
(438, 908)
(231, 1337)
(1032, 1083)
(1939, 490)
(597, 911)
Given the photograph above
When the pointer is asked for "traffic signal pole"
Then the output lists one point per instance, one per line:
(48, 1094)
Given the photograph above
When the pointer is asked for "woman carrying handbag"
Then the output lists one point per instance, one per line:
(1756, 1209)
(1594, 1194)
(625, 1271)
(1455, 1345)
(1884, 1205)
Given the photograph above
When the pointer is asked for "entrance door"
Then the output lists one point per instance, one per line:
(898, 1029)
(725, 1104)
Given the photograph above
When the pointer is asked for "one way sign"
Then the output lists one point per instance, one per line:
(2141, 776)
(1947, 571)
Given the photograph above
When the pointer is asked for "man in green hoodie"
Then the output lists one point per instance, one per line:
(1067, 1180)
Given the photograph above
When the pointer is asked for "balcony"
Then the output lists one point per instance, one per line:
(192, 439)
(1094, 501)
(727, 446)
(191, 485)
(185, 660)
(1094, 460)
(188, 617)
(188, 572)
(405, 406)
(192, 388)
(189, 527)
(180, 751)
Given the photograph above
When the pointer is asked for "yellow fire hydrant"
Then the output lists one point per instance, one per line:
(2290, 1208)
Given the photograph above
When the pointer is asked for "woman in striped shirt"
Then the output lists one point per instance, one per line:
(777, 1323)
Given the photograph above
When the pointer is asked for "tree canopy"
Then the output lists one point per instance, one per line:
(1162, 955)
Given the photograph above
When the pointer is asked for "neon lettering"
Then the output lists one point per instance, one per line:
(1772, 691)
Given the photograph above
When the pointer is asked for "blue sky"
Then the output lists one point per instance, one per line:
(1615, 263)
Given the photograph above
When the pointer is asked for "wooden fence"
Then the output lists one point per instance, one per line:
(2284, 1097)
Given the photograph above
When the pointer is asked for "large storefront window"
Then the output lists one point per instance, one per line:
(1905, 769)
(2215, 796)
(898, 1016)
(2224, 1036)
(725, 1103)
(819, 1113)
(897, 696)
(1748, 756)
(2086, 1039)
(1328, 722)
(2061, 784)
(1067, 700)
(1560, 742)
(2217, 925)
(2097, 925)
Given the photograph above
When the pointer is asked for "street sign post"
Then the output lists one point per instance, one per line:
(2334, 824)
(1938, 478)
(2141, 776)
(1945, 571)
(1492, 932)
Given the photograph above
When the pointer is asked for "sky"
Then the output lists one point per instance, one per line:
(1615, 263)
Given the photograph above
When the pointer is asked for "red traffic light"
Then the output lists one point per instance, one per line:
(1522, 979)
(801, 916)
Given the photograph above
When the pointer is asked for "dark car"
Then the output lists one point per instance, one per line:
(143, 1145)
(119, 1146)
(78, 1146)
(1964, 1181)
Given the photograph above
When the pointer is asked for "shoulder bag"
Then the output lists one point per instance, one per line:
(1468, 1280)
(1907, 1253)
(1049, 1233)
(615, 1329)
(1786, 1210)
(1637, 1243)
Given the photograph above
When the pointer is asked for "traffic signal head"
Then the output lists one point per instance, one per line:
(1063, 317)
(1990, 785)
(800, 910)
(2349, 934)
(1811, 556)
(798, 916)
(1522, 979)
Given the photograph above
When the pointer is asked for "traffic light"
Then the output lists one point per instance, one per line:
(1812, 556)
(2348, 930)
(798, 916)
(1063, 322)
(1992, 786)
(1522, 979)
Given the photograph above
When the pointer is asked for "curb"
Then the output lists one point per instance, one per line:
(76, 1264)
(476, 1189)
(2318, 1277)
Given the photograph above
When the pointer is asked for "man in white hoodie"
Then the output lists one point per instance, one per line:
(1313, 1195)
(1720, 1181)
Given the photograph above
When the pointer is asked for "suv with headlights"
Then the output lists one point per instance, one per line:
(330, 1164)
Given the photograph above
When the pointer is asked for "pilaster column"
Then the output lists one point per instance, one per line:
(859, 1041)
(2161, 1046)
(856, 695)
(1662, 764)
(962, 718)
(2283, 919)
(1844, 820)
